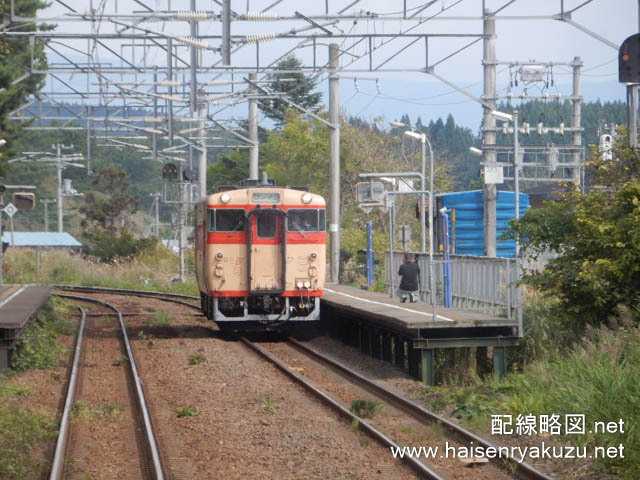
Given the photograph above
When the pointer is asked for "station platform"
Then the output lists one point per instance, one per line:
(17, 304)
(388, 329)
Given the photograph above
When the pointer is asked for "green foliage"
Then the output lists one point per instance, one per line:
(196, 358)
(297, 87)
(186, 412)
(366, 408)
(107, 247)
(36, 347)
(16, 60)
(268, 405)
(21, 433)
(597, 237)
(231, 168)
(8, 390)
(160, 318)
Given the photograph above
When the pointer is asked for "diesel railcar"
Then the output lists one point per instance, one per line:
(260, 256)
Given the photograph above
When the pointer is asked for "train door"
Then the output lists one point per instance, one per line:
(266, 252)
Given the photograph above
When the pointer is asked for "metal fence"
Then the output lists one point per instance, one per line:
(482, 284)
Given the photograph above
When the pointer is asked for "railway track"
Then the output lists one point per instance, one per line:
(413, 410)
(151, 466)
(417, 412)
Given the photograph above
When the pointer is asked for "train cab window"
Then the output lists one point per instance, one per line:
(266, 225)
(305, 220)
(322, 222)
(229, 220)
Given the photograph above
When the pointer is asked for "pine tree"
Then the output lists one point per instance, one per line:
(297, 86)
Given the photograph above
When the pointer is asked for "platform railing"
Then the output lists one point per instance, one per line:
(483, 284)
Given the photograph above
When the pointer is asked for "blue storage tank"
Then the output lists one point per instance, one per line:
(468, 226)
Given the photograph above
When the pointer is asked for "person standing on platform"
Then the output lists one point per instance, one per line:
(409, 271)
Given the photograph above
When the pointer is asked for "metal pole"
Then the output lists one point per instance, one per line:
(369, 255)
(423, 141)
(226, 32)
(59, 174)
(154, 138)
(193, 94)
(488, 132)
(157, 215)
(46, 215)
(89, 140)
(575, 118)
(391, 263)
(334, 165)
(202, 152)
(516, 180)
(253, 130)
(432, 280)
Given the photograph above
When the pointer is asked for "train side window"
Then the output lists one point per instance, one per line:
(266, 225)
(211, 220)
(229, 220)
(322, 222)
(302, 220)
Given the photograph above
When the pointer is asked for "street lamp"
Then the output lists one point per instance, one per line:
(424, 141)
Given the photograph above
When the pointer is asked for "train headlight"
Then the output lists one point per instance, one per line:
(307, 284)
(225, 197)
(218, 272)
(307, 197)
(299, 284)
(219, 256)
(313, 271)
(313, 256)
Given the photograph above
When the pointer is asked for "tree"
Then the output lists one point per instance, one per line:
(112, 200)
(597, 237)
(15, 63)
(297, 86)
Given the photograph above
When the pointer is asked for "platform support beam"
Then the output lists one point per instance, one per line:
(427, 366)
(376, 351)
(398, 351)
(386, 346)
(414, 360)
(4, 358)
(499, 362)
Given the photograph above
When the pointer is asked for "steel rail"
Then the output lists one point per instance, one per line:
(151, 441)
(417, 411)
(57, 468)
(420, 467)
(166, 296)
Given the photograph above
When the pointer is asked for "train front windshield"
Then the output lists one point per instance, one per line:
(306, 220)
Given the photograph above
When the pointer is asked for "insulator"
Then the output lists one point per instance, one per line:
(215, 98)
(192, 15)
(539, 128)
(561, 128)
(505, 128)
(170, 83)
(257, 16)
(260, 37)
(188, 40)
(378, 86)
(355, 84)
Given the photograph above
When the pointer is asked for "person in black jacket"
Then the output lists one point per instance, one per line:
(409, 271)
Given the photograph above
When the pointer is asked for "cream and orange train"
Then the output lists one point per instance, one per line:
(260, 256)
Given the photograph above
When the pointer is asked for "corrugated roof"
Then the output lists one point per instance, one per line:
(40, 239)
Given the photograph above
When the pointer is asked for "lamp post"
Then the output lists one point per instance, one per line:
(425, 141)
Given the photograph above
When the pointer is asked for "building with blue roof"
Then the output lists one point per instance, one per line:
(40, 240)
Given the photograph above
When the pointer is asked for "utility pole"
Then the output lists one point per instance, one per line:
(202, 152)
(334, 164)
(89, 140)
(58, 147)
(46, 213)
(488, 130)
(253, 130)
(575, 120)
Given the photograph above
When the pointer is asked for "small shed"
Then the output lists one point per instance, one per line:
(40, 240)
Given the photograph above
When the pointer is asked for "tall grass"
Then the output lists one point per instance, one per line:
(151, 270)
(598, 377)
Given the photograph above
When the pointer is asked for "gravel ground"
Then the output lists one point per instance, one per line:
(252, 422)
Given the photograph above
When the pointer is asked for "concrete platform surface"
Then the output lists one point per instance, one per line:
(18, 303)
(406, 316)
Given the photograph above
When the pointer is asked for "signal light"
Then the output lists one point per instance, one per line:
(170, 172)
(24, 200)
(2, 188)
(629, 60)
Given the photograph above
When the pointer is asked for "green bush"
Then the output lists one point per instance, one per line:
(22, 431)
(107, 247)
(36, 347)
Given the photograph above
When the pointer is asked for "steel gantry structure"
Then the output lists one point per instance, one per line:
(190, 69)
